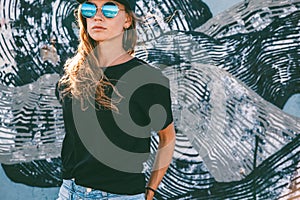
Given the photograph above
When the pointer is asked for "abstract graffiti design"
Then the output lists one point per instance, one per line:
(230, 77)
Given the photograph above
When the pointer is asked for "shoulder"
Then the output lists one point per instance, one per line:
(149, 77)
(149, 68)
(137, 72)
(146, 65)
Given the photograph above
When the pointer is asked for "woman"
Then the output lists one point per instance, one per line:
(103, 82)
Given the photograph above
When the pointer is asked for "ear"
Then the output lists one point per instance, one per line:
(128, 21)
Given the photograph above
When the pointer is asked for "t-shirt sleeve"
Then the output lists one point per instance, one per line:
(153, 94)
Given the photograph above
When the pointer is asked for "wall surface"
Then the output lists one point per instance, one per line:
(13, 191)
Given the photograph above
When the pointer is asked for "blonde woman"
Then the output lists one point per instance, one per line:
(103, 82)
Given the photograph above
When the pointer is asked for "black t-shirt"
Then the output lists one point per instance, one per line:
(108, 155)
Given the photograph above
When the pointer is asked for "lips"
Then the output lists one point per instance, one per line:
(100, 28)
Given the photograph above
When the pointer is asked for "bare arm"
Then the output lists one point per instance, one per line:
(163, 158)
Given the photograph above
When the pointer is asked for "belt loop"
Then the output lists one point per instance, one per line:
(73, 184)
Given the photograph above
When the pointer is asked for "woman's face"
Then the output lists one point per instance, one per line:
(101, 28)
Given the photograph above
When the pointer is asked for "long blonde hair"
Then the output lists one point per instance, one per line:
(82, 78)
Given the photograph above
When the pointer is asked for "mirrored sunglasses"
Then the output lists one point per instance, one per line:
(109, 9)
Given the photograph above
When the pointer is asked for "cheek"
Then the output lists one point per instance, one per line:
(119, 25)
(88, 25)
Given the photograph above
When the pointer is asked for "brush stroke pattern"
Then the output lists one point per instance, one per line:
(263, 54)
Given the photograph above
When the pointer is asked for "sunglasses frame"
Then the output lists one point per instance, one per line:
(109, 2)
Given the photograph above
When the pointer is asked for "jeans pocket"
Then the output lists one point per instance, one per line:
(64, 193)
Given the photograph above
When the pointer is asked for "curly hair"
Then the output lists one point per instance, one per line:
(82, 78)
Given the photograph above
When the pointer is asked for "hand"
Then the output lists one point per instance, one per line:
(149, 194)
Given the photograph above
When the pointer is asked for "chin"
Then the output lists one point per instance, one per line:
(98, 39)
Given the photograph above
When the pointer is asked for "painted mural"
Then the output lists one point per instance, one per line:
(230, 77)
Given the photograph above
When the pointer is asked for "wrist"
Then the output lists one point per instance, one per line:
(148, 188)
(149, 193)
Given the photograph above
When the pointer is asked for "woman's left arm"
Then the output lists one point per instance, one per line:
(163, 159)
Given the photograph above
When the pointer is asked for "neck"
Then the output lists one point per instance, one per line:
(112, 53)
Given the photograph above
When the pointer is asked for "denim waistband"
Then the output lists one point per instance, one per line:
(88, 193)
(78, 188)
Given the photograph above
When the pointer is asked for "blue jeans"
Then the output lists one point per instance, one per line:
(70, 191)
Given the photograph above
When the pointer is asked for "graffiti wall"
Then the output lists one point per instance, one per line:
(231, 75)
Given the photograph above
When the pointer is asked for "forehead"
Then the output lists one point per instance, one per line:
(101, 2)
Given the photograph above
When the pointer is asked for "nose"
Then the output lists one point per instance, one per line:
(99, 15)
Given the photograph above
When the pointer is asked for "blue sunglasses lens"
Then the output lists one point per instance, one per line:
(109, 10)
(88, 10)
